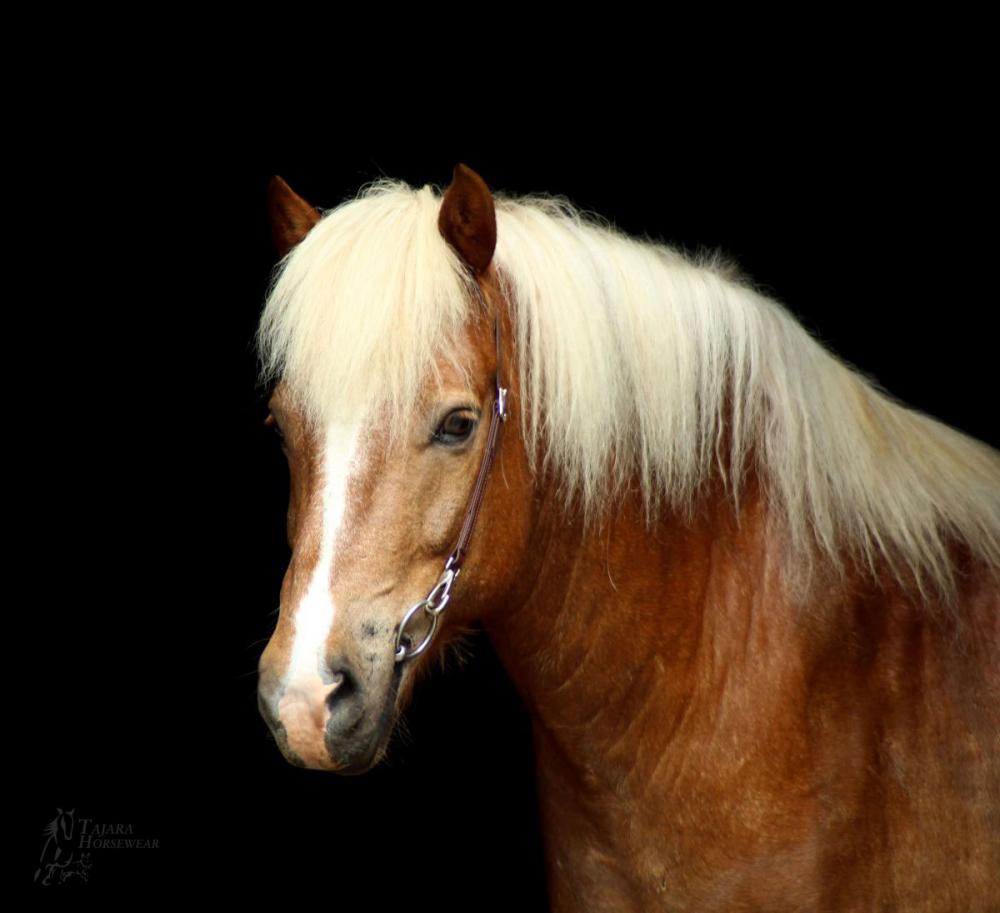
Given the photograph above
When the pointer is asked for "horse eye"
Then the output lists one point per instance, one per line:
(455, 428)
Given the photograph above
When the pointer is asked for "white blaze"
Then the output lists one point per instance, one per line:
(305, 691)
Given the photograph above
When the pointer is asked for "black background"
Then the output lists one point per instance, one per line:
(152, 545)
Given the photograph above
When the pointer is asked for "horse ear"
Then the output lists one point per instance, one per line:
(467, 220)
(290, 216)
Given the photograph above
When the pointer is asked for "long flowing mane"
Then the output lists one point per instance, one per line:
(636, 361)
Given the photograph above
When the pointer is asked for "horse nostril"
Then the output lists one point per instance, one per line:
(345, 703)
(345, 686)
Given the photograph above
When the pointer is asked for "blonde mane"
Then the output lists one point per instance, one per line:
(633, 358)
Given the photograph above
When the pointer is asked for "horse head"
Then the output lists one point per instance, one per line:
(376, 506)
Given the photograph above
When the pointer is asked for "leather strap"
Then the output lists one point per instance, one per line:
(498, 415)
(434, 603)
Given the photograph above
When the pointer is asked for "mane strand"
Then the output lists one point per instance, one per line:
(636, 361)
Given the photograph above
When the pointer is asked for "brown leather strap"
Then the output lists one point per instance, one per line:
(434, 603)
(498, 415)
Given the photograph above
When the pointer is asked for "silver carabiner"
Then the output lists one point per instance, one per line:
(442, 590)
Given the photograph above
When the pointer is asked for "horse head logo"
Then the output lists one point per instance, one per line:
(57, 853)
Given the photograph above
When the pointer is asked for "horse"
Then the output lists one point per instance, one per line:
(750, 601)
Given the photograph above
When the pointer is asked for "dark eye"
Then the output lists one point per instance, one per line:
(456, 428)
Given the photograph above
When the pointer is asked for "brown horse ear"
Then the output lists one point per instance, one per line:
(467, 220)
(290, 216)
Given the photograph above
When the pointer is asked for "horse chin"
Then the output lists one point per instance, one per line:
(346, 759)
(361, 764)
(361, 754)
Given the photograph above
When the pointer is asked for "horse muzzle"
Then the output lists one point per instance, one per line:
(339, 724)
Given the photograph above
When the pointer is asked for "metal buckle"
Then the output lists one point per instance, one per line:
(502, 403)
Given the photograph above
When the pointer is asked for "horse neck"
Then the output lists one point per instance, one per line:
(690, 710)
(622, 620)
